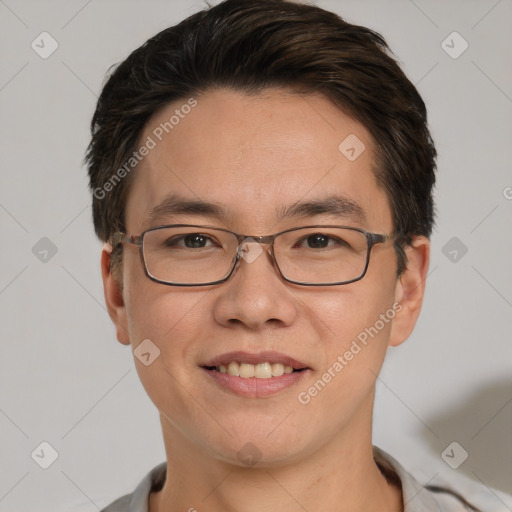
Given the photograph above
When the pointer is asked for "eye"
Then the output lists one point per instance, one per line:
(190, 241)
(317, 241)
(321, 241)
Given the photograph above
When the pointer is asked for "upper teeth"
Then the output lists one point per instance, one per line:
(260, 371)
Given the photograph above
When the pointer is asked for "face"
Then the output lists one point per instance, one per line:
(254, 157)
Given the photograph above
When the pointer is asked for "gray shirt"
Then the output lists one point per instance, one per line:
(416, 497)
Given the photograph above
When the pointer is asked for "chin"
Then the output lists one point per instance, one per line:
(254, 449)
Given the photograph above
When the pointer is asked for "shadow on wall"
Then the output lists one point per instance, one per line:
(475, 436)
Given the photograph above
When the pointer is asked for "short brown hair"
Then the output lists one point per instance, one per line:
(251, 46)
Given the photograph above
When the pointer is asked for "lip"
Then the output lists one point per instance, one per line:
(260, 357)
(254, 387)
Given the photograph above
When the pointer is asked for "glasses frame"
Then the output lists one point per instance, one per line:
(138, 240)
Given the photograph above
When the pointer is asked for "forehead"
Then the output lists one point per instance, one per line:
(255, 156)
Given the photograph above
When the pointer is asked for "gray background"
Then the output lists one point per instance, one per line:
(64, 378)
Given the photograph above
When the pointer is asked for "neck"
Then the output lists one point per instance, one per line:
(340, 476)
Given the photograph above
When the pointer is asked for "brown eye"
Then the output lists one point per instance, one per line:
(189, 241)
(317, 241)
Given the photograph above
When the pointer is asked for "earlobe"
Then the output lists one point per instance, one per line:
(114, 297)
(410, 289)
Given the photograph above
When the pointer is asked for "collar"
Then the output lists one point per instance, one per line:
(415, 497)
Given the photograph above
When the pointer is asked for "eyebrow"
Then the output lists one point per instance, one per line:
(177, 205)
(334, 205)
(174, 204)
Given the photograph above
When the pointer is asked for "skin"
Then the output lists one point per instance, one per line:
(253, 154)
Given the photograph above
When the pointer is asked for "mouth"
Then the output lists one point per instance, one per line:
(264, 370)
(255, 375)
(264, 365)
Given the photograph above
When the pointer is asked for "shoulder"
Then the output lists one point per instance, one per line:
(449, 499)
(417, 497)
(120, 505)
(137, 501)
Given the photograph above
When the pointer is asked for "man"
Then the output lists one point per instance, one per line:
(262, 178)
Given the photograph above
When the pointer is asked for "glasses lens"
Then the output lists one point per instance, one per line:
(323, 255)
(189, 254)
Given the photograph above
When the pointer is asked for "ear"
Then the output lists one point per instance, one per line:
(410, 289)
(114, 297)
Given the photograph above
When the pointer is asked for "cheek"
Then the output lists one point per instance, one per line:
(173, 321)
(356, 322)
(355, 343)
(155, 311)
(171, 318)
(344, 314)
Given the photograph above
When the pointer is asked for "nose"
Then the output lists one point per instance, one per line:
(255, 296)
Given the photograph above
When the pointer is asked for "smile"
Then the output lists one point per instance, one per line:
(255, 375)
(258, 371)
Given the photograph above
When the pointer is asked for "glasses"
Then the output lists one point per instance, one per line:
(191, 255)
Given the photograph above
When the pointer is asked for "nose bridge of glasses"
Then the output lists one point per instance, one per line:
(250, 247)
(264, 240)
